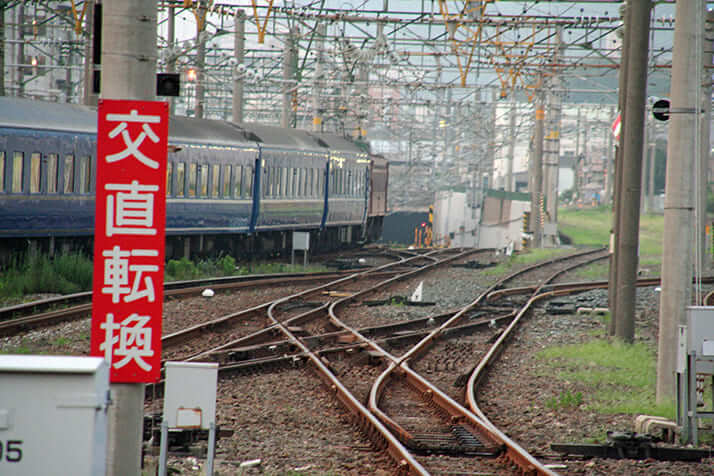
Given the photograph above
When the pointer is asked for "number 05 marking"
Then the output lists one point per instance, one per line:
(12, 450)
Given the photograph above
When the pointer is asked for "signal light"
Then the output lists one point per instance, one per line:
(168, 84)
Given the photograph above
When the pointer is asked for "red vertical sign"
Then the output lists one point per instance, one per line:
(130, 219)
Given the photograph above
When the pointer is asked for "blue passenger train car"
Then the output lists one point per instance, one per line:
(240, 188)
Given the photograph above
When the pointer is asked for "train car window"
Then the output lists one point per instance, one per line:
(204, 180)
(301, 182)
(35, 161)
(68, 174)
(52, 176)
(180, 179)
(248, 181)
(192, 178)
(285, 179)
(17, 163)
(276, 181)
(84, 174)
(169, 176)
(227, 172)
(215, 171)
(2, 171)
(237, 181)
(265, 187)
(296, 183)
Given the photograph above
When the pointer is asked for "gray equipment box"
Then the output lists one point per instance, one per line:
(53, 415)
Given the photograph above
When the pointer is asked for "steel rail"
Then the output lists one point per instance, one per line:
(365, 419)
(498, 346)
(458, 412)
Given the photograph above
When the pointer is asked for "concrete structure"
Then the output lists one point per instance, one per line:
(501, 220)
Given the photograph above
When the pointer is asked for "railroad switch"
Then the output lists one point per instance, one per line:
(630, 445)
(179, 440)
(560, 307)
(459, 441)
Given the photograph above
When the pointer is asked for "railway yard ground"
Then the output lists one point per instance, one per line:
(284, 421)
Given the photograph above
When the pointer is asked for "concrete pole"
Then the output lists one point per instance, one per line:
(317, 82)
(551, 159)
(20, 60)
(577, 133)
(239, 52)
(610, 159)
(636, 95)
(536, 170)
(705, 140)
(652, 161)
(612, 286)
(679, 218)
(2, 48)
(171, 42)
(129, 72)
(511, 144)
(645, 150)
(90, 68)
(288, 116)
(200, 108)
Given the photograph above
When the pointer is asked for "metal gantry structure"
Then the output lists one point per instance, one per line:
(429, 83)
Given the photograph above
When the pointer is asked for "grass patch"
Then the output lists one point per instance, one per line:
(526, 257)
(594, 272)
(72, 273)
(620, 378)
(65, 274)
(185, 269)
(591, 227)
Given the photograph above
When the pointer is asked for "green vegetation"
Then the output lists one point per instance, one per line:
(72, 273)
(184, 269)
(65, 274)
(594, 272)
(591, 227)
(566, 399)
(619, 378)
(527, 257)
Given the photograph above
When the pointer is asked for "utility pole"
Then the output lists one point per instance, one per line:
(129, 67)
(200, 15)
(317, 82)
(511, 144)
(612, 286)
(536, 169)
(238, 79)
(2, 47)
(20, 61)
(288, 117)
(92, 51)
(610, 168)
(171, 42)
(551, 160)
(679, 200)
(704, 140)
(627, 249)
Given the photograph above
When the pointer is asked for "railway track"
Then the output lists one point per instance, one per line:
(49, 311)
(462, 435)
(351, 360)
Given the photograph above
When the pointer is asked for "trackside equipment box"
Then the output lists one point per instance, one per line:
(53, 415)
(190, 394)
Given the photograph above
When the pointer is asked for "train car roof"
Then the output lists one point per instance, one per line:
(65, 117)
(293, 138)
(26, 113)
(340, 143)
